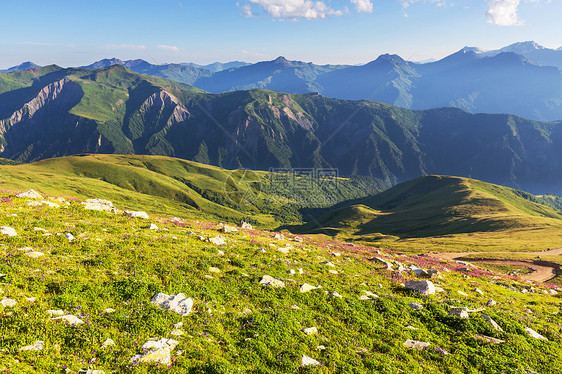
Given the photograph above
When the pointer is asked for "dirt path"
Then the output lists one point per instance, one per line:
(543, 271)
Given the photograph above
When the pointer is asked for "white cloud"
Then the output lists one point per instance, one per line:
(246, 10)
(407, 3)
(363, 6)
(169, 47)
(503, 13)
(295, 9)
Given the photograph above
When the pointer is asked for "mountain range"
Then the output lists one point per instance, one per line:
(50, 111)
(523, 79)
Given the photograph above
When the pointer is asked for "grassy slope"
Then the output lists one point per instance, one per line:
(165, 185)
(435, 210)
(237, 325)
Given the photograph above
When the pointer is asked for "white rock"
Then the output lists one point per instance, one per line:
(69, 236)
(68, 318)
(478, 291)
(109, 310)
(308, 287)
(91, 371)
(310, 331)
(278, 236)
(8, 231)
(491, 322)
(229, 229)
(422, 287)
(267, 280)
(31, 299)
(50, 204)
(176, 303)
(370, 294)
(459, 312)
(534, 334)
(416, 306)
(31, 194)
(552, 292)
(34, 203)
(284, 250)
(416, 344)
(55, 313)
(489, 339)
(177, 332)
(214, 270)
(245, 225)
(217, 240)
(335, 294)
(37, 346)
(307, 361)
(8, 303)
(462, 293)
(291, 272)
(152, 226)
(136, 214)
(180, 324)
(332, 271)
(156, 351)
(220, 253)
(328, 263)
(491, 303)
(107, 343)
(99, 205)
(261, 250)
(34, 254)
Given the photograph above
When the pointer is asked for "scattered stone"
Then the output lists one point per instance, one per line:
(491, 303)
(416, 306)
(99, 205)
(552, 292)
(284, 250)
(30, 299)
(308, 287)
(109, 310)
(152, 226)
(217, 240)
(422, 273)
(332, 271)
(31, 194)
(214, 270)
(228, 229)
(336, 254)
(69, 319)
(91, 371)
(370, 294)
(37, 346)
(478, 291)
(534, 334)
(335, 294)
(135, 214)
(55, 313)
(459, 312)
(310, 331)
(175, 303)
(267, 280)
(278, 236)
(383, 261)
(177, 332)
(107, 343)
(291, 272)
(245, 225)
(34, 204)
(307, 361)
(8, 231)
(488, 339)
(220, 253)
(34, 254)
(321, 348)
(491, 322)
(328, 263)
(261, 250)
(421, 287)
(462, 293)
(416, 344)
(156, 351)
(294, 307)
(39, 229)
(8, 303)
(69, 236)
(50, 204)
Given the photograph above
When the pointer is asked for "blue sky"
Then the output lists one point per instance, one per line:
(71, 33)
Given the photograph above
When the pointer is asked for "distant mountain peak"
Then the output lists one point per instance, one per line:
(470, 50)
(21, 67)
(523, 47)
(280, 60)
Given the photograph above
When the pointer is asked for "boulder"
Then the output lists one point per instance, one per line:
(175, 303)
(69, 319)
(152, 226)
(50, 204)
(214, 270)
(8, 231)
(156, 351)
(217, 240)
(308, 361)
(8, 303)
(34, 254)
(416, 344)
(31, 194)
(91, 371)
(37, 346)
(534, 334)
(99, 205)
(310, 331)
(267, 280)
(491, 322)
(308, 287)
(421, 287)
(245, 225)
(278, 236)
(69, 236)
(55, 313)
(328, 263)
(135, 214)
(416, 306)
(107, 343)
(479, 291)
(491, 303)
(488, 339)
(459, 312)
(228, 229)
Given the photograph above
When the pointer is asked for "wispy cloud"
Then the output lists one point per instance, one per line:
(363, 6)
(503, 13)
(246, 10)
(169, 47)
(297, 9)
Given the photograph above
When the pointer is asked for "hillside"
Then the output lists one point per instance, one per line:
(85, 290)
(435, 206)
(52, 112)
(165, 185)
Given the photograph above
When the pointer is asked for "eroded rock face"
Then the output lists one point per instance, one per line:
(176, 303)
